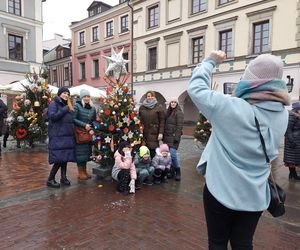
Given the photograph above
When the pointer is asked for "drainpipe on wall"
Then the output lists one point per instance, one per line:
(131, 50)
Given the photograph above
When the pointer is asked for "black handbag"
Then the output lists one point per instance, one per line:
(276, 207)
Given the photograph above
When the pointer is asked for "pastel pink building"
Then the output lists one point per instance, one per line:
(93, 37)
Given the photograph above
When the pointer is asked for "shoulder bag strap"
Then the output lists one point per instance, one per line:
(266, 155)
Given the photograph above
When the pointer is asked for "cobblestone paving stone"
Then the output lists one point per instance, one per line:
(89, 216)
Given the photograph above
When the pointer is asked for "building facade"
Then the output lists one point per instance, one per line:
(59, 65)
(21, 35)
(170, 37)
(54, 42)
(93, 37)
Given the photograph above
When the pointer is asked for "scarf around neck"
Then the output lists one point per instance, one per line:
(150, 105)
(254, 91)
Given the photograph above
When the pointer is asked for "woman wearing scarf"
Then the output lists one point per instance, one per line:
(291, 155)
(84, 115)
(172, 133)
(153, 118)
(233, 162)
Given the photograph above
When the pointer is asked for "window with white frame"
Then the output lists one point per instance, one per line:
(153, 16)
(124, 23)
(198, 6)
(197, 49)
(15, 47)
(95, 34)
(14, 7)
(81, 38)
(66, 73)
(95, 72)
(225, 42)
(261, 37)
(54, 73)
(82, 71)
(152, 58)
(109, 29)
(225, 33)
(260, 30)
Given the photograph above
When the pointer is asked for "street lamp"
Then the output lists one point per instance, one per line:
(131, 50)
(290, 83)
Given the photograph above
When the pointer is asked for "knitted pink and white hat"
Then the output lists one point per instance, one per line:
(164, 148)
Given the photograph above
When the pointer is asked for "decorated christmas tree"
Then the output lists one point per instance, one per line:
(202, 130)
(117, 118)
(27, 116)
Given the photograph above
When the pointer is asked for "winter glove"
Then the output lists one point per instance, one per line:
(128, 154)
(132, 186)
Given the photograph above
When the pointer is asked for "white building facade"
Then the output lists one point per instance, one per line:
(21, 36)
(171, 37)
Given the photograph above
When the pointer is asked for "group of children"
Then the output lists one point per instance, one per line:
(131, 172)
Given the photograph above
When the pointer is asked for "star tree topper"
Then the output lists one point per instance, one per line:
(116, 63)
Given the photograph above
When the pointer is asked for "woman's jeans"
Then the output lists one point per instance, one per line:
(224, 224)
(175, 160)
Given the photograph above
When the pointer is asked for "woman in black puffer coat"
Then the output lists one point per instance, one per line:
(61, 137)
(173, 132)
(291, 156)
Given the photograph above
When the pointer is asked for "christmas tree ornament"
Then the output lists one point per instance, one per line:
(107, 139)
(27, 102)
(20, 118)
(125, 130)
(36, 104)
(117, 63)
(111, 128)
(125, 137)
(130, 134)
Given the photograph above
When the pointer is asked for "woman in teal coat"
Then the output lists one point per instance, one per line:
(84, 115)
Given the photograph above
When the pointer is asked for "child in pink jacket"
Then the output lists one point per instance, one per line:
(124, 171)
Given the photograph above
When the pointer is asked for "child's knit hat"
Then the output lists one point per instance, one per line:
(164, 148)
(144, 151)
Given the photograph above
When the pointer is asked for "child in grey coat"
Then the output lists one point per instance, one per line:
(162, 164)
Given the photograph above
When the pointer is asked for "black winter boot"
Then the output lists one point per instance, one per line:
(51, 179)
(177, 174)
(164, 176)
(63, 179)
(293, 174)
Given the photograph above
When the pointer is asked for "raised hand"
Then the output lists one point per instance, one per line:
(218, 55)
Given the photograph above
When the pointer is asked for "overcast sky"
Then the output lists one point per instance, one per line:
(58, 15)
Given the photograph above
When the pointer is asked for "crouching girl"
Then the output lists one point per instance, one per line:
(162, 164)
(124, 171)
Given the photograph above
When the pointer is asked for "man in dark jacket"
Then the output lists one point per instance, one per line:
(3, 113)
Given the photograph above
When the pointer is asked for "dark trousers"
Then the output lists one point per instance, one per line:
(224, 224)
(152, 153)
(123, 180)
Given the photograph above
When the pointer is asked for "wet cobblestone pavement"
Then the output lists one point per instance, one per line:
(91, 215)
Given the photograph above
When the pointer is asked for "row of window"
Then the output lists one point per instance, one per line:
(95, 68)
(260, 44)
(66, 74)
(197, 6)
(109, 30)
